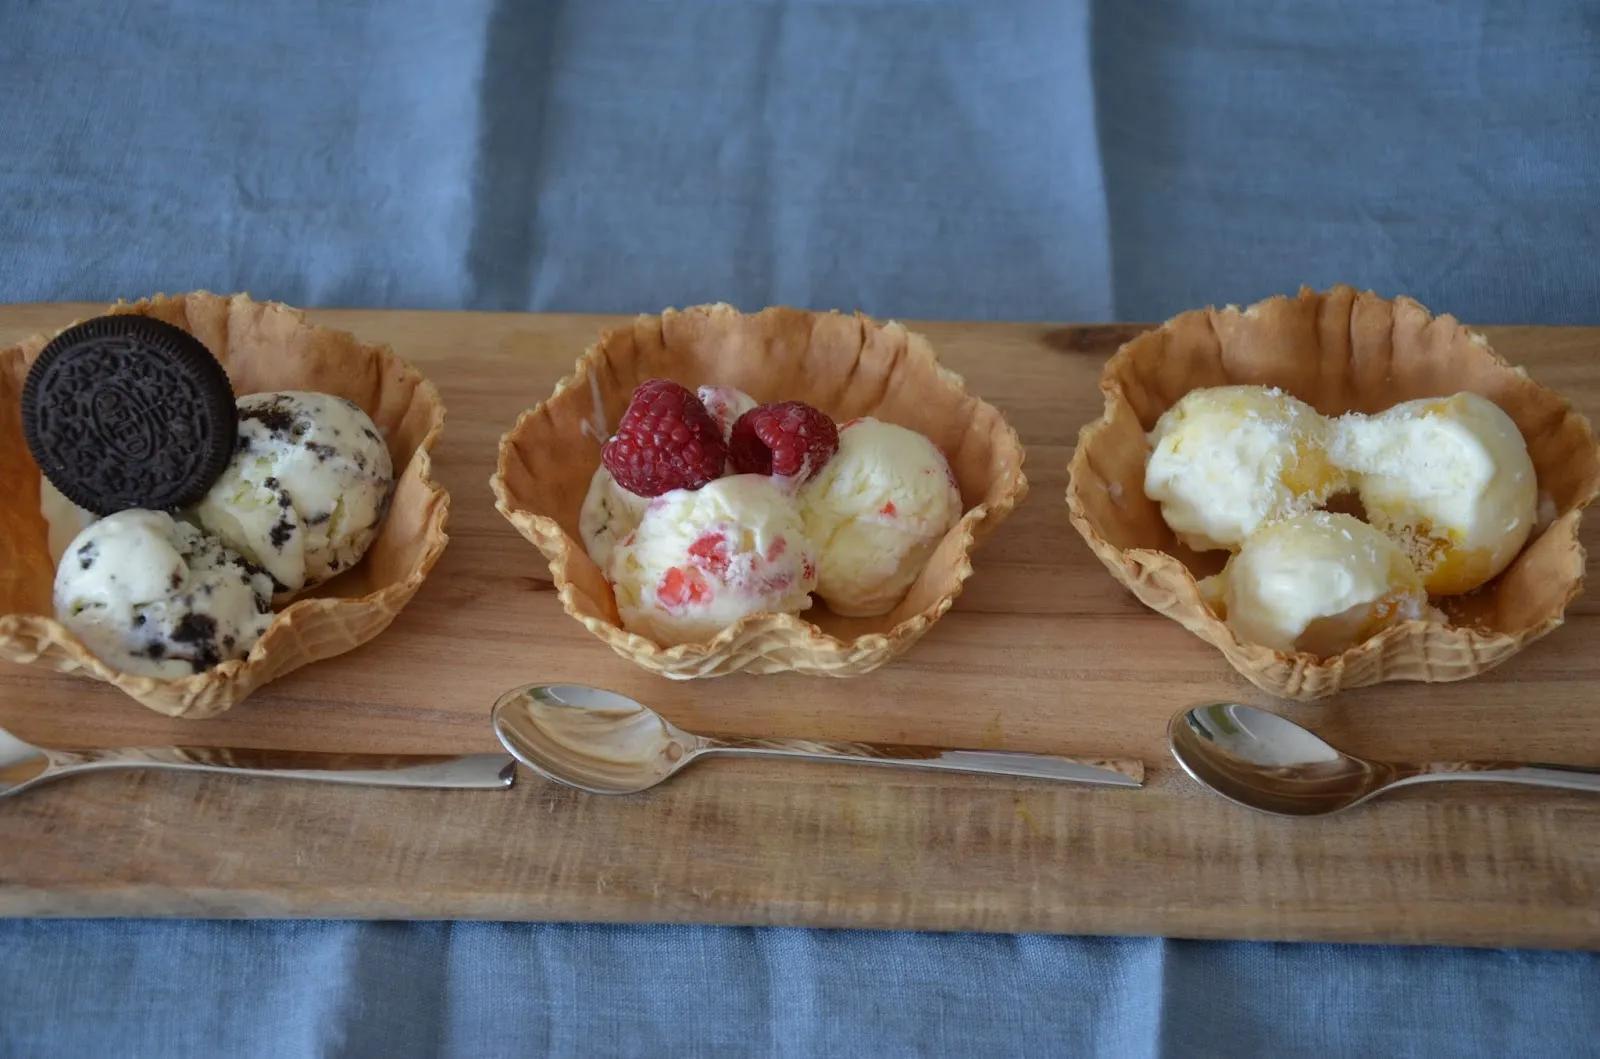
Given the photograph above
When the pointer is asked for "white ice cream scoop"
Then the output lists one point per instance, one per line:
(1450, 479)
(875, 513)
(307, 489)
(610, 513)
(702, 559)
(1317, 583)
(154, 596)
(1227, 460)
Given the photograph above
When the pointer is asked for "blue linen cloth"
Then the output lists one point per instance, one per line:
(1068, 160)
(578, 990)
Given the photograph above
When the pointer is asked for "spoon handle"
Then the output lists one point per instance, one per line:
(1113, 772)
(1565, 777)
(470, 771)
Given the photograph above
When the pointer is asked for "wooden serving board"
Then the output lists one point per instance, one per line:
(1043, 652)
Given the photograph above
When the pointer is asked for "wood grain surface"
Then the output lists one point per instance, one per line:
(1043, 652)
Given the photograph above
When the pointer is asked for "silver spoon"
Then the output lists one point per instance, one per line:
(23, 765)
(1263, 761)
(606, 743)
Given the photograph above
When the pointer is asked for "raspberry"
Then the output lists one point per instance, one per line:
(789, 440)
(681, 586)
(711, 549)
(666, 440)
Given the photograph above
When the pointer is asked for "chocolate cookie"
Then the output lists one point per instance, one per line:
(126, 411)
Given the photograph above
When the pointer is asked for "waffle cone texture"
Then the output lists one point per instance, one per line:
(262, 346)
(848, 366)
(1339, 351)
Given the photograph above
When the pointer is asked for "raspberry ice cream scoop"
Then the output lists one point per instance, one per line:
(609, 514)
(876, 512)
(702, 559)
(156, 597)
(306, 490)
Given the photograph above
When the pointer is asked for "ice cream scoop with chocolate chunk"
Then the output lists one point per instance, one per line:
(307, 488)
(156, 597)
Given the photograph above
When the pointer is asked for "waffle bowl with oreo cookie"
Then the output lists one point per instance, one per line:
(205, 492)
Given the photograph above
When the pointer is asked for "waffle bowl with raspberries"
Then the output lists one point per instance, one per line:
(784, 490)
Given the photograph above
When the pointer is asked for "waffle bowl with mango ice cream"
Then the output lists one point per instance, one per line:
(1473, 474)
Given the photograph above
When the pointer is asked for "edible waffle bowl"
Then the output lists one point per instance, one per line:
(263, 346)
(848, 366)
(1339, 351)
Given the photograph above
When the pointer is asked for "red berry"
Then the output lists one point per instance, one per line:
(711, 549)
(666, 440)
(790, 440)
(681, 586)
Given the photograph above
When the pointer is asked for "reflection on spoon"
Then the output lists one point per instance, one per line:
(607, 743)
(596, 739)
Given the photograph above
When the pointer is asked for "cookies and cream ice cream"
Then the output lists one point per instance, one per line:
(1227, 460)
(1318, 583)
(701, 559)
(875, 513)
(154, 596)
(307, 488)
(1448, 478)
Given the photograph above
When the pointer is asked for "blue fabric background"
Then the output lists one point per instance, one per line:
(1072, 161)
(491, 989)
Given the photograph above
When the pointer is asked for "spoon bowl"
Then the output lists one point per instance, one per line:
(589, 738)
(1263, 761)
(1269, 763)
